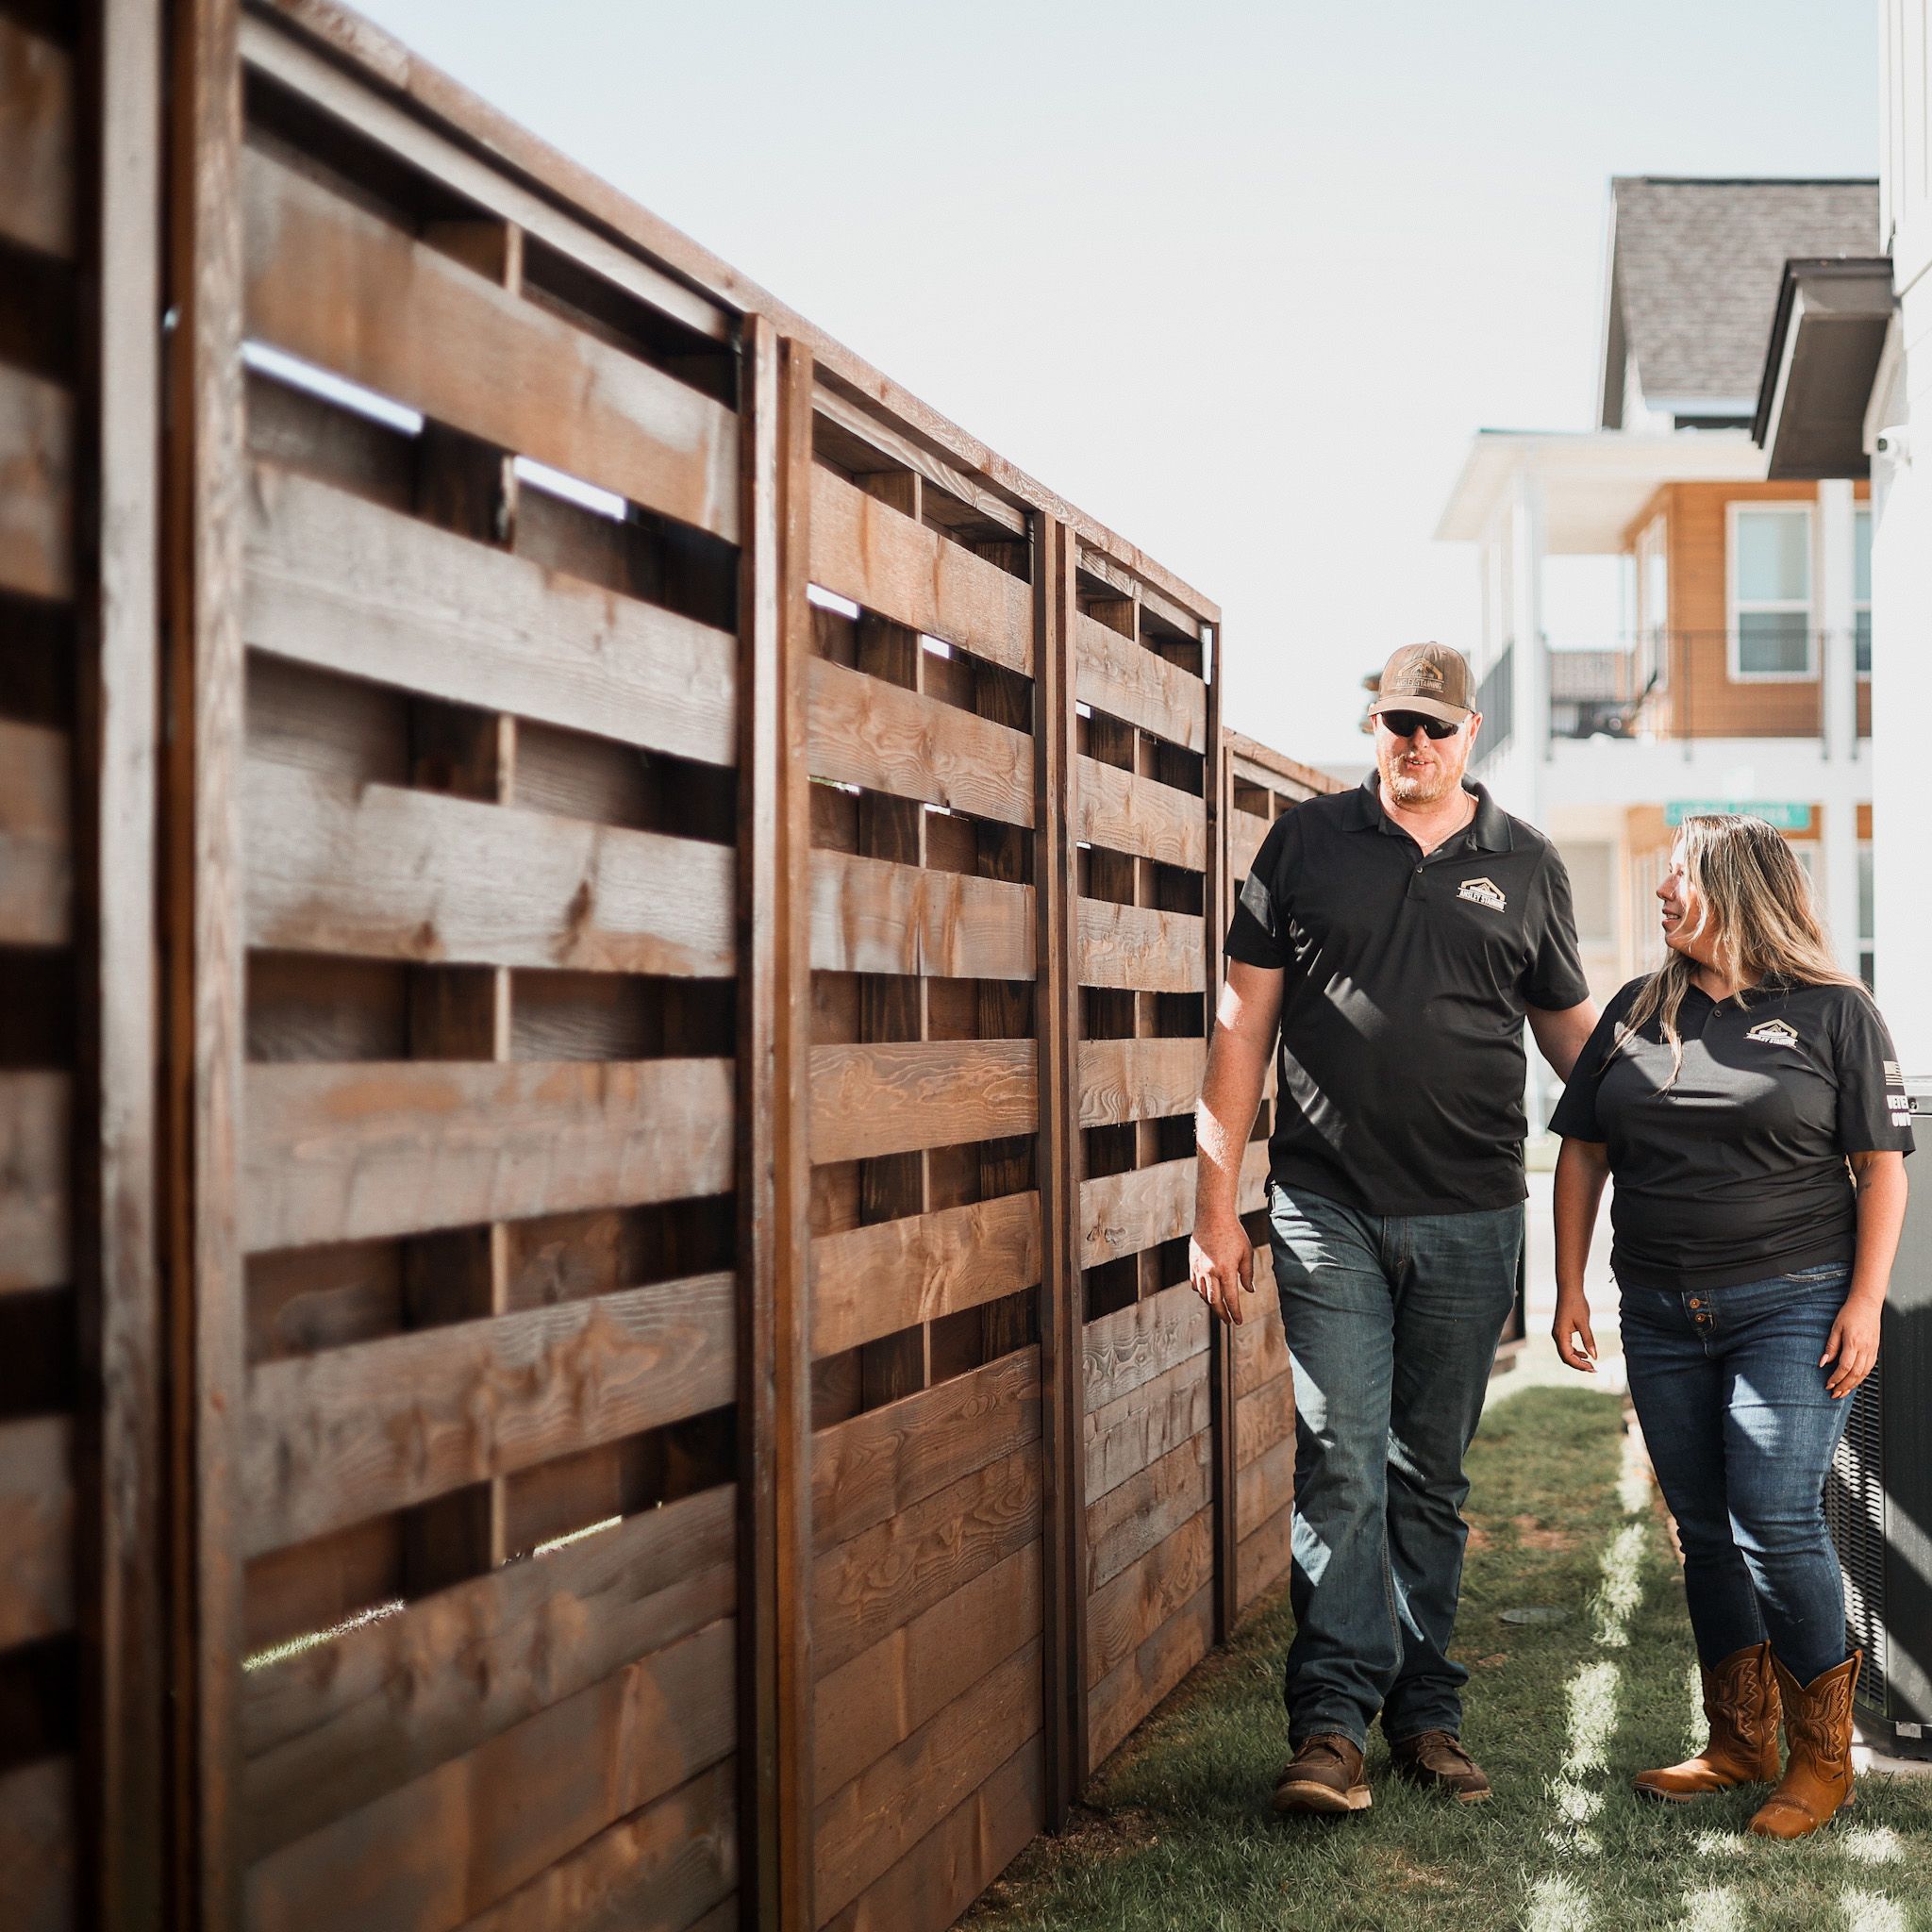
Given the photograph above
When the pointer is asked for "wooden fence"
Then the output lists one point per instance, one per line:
(607, 928)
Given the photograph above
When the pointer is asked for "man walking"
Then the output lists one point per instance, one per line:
(1398, 935)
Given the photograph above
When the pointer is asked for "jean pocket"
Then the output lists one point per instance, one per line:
(1822, 1276)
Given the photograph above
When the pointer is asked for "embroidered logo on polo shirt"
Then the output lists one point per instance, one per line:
(1482, 892)
(1774, 1033)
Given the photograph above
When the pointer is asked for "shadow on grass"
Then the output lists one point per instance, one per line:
(1178, 1833)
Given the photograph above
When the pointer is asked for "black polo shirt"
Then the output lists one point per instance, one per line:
(1736, 1171)
(1407, 982)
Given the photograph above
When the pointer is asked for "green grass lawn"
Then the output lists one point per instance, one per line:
(1178, 1833)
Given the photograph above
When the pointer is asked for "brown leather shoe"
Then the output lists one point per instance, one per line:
(1741, 1703)
(1435, 1760)
(1323, 1775)
(1818, 1734)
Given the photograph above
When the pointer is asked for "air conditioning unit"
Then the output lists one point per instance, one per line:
(1878, 1497)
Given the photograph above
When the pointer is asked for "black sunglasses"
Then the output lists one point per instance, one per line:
(1407, 723)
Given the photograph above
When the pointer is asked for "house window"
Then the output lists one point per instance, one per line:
(1867, 921)
(1652, 605)
(1771, 591)
(1861, 589)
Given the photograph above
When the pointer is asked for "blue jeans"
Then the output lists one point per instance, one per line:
(1741, 1432)
(1391, 1326)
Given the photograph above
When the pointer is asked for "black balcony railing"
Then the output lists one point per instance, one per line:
(1495, 698)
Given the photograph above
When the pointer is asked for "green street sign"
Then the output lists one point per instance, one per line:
(1786, 817)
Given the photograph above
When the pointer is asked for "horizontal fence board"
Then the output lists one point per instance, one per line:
(352, 1432)
(867, 731)
(1133, 1345)
(34, 1238)
(1125, 679)
(867, 551)
(1260, 1349)
(36, 838)
(872, 915)
(868, 1586)
(437, 1851)
(934, 1883)
(40, 1831)
(1263, 1555)
(1124, 1080)
(884, 1695)
(1139, 947)
(1263, 1419)
(878, 1465)
(36, 1528)
(1138, 1683)
(1126, 1523)
(1124, 1213)
(891, 1099)
(899, 448)
(1251, 1190)
(863, 1829)
(1142, 816)
(1124, 1612)
(876, 1280)
(351, 1153)
(1266, 1484)
(336, 286)
(1245, 832)
(389, 873)
(37, 142)
(36, 485)
(331, 1727)
(342, 583)
(1144, 1424)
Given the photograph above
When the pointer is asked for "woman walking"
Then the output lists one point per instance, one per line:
(1746, 1099)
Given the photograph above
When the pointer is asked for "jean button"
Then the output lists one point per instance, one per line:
(1695, 1303)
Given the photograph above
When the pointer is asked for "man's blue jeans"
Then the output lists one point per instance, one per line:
(1391, 1326)
(1741, 1432)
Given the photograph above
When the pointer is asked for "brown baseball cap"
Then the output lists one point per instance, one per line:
(1429, 678)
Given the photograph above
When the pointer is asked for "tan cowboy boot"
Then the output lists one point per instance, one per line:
(1818, 1729)
(1741, 1704)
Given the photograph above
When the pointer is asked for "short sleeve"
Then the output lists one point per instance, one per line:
(1576, 1118)
(1873, 1116)
(1555, 980)
(1257, 934)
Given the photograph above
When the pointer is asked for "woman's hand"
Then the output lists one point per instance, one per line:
(1571, 1330)
(1854, 1346)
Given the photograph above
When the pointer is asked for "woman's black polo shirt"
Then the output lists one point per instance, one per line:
(1736, 1171)
(1406, 984)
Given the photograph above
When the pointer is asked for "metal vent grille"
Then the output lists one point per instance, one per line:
(1854, 1510)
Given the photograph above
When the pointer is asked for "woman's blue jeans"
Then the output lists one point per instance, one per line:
(1391, 1326)
(1741, 1432)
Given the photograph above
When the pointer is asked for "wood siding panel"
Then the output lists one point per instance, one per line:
(36, 486)
(1142, 816)
(1137, 946)
(1128, 681)
(872, 1100)
(1124, 1080)
(34, 1157)
(871, 915)
(36, 839)
(1124, 1213)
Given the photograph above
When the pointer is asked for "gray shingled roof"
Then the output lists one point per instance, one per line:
(1695, 269)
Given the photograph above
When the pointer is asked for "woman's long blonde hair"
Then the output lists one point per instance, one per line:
(1756, 895)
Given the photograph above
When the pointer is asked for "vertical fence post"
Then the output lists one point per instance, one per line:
(1056, 908)
(203, 932)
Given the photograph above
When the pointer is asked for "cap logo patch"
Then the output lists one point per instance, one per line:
(1426, 675)
(1482, 892)
(1774, 1033)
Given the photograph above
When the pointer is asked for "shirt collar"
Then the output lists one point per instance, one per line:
(1489, 831)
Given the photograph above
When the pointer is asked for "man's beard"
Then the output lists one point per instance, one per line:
(1413, 788)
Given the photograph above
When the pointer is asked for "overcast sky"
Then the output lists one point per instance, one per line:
(1240, 280)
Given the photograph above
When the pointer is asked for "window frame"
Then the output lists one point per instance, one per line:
(1862, 607)
(1734, 509)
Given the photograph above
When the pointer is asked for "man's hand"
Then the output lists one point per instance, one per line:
(1219, 1255)
(1571, 1331)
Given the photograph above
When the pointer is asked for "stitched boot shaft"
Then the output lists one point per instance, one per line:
(1741, 1704)
(1818, 1732)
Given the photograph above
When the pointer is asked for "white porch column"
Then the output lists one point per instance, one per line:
(1532, 675)
(1839, 687)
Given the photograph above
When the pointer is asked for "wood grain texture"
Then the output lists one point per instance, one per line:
(355, 1432)
(864, 550)
(1263, 1556)
(1245, 832)
(1139, 947)
(328, 1729)
(1250, 1191)
(1266, 1484)
(870, 1100)
(40, 1834)
(36, 486)
(1134, 1344)
(350, 1153)
(329, 282)
(867, 731)
(1128, 681)
(342, 583)
(1263, 1419)
(866, 1587)
(35, 1243)
(444, 1847)
(35, 834)
(872, 915)
(876, 1280)
(1124, 1080)
(1139, 1681)
(1144, 1424)
(1124, 1213)
(387, 871)
(1141, 816)
(1129, 1521)
(37, 1527)
(878, 1464)
(1124, 1612)
(37, 142)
